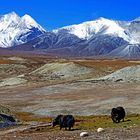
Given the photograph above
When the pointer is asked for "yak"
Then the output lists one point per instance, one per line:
(64, 121)
(118, 114)
(7, 118)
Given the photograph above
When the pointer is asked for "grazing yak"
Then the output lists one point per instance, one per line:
(7, 118)
(64, 121)
(117, 114)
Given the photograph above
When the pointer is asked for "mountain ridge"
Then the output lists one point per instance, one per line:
(101, 37)
(15, 30)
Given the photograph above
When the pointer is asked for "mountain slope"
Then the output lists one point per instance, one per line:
(16, 30)
(98, 38)
(134, 30)
(127, 51)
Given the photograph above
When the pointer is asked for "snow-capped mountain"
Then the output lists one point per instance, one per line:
(129, 31)
(104, 36)
(100, 26)
(101, 37)
(91, 38)
(16, 30)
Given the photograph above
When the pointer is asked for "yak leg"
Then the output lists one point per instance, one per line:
(60, 127)
(69, 128)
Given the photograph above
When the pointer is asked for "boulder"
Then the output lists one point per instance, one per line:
(84, 134)
(100, 130)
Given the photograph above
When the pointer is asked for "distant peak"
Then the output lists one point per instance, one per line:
(12, 14)
(30, 22)
(137, 19)
(102, 18)
(28, 18)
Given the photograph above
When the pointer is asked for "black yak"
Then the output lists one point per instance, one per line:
(64, 121)
(7, 118)
(117, 114)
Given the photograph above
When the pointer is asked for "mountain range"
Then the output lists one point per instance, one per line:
(99, 38)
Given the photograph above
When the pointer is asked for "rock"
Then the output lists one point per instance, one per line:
(4, 110)
(84, 134)
(100, 130)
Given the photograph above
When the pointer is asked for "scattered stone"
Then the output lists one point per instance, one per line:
(100, 130)
(84, 134)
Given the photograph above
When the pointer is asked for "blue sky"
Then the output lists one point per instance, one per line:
(58, 13)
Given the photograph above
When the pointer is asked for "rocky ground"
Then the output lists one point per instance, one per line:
(79, 98)
(47, 87)
(127, 130)
(109, 134)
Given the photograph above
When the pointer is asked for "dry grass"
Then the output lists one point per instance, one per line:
(105, 67)
(5, 61)
(107, 64)
(101, 67)
(29, 117)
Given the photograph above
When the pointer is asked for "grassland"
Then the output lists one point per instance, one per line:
(129, 129)
(83, 122)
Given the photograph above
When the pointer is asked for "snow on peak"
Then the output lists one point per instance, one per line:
(10, 17)
(11, 14)
(137, 19)
(14, 29)
(30, 22)
(133, 41)
(102, 25)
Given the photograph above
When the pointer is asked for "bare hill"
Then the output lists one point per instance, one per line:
(62, 70)
(127, 74)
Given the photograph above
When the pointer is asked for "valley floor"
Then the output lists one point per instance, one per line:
(43, 96)
(114, 134)
(79, 98)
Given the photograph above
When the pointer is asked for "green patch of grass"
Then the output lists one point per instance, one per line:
(94, 122)
(82, 122)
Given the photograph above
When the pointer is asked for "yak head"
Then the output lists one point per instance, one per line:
(56, 121)
(115, 115)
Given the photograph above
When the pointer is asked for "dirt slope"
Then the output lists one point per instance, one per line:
(127, 74)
